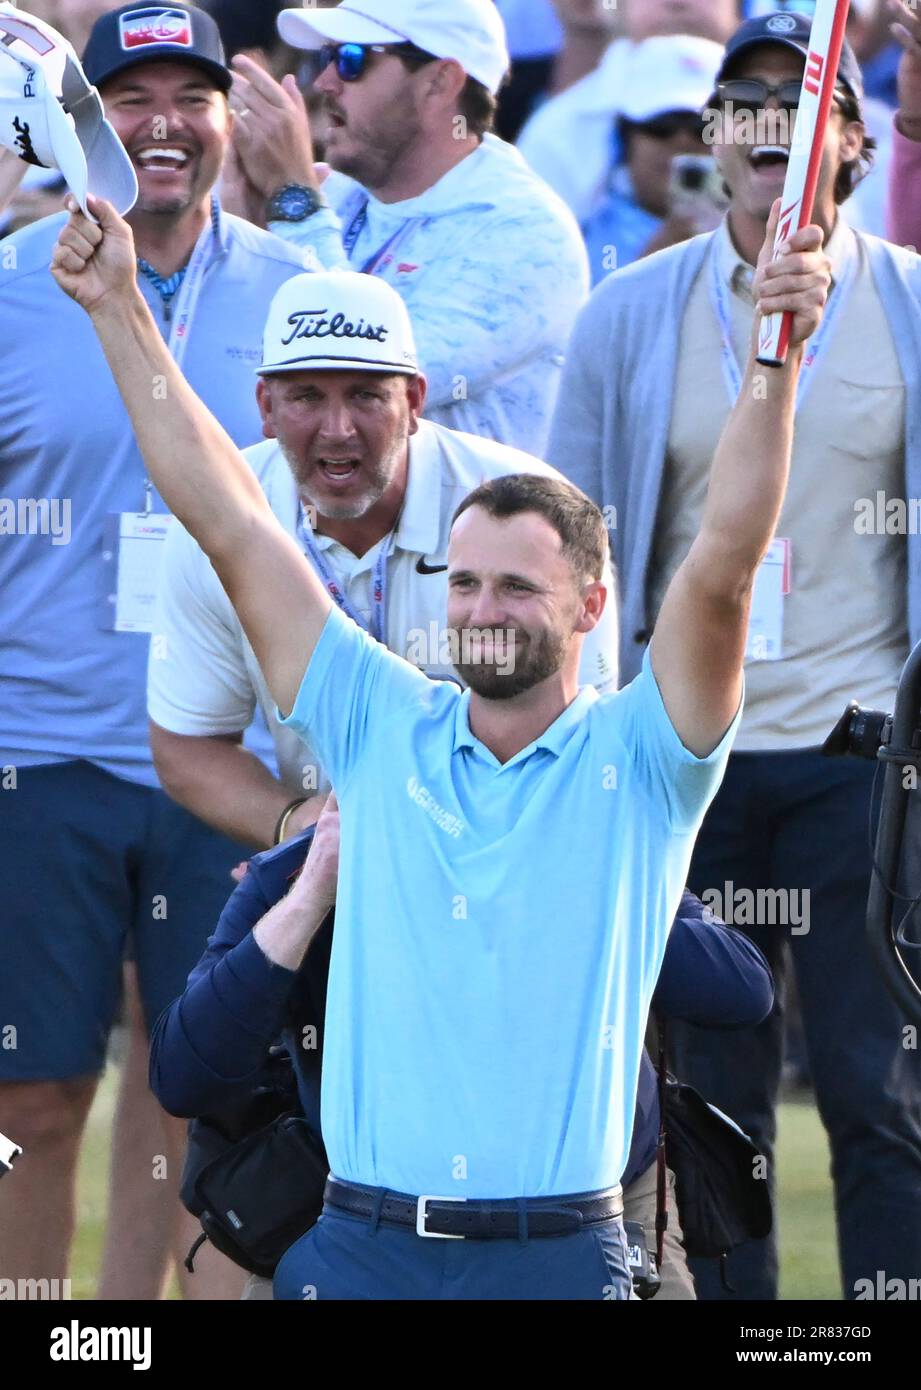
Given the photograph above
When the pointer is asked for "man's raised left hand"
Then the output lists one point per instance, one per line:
(271, 133)
(798, 281)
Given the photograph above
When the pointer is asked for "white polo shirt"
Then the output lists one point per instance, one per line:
(203, 677)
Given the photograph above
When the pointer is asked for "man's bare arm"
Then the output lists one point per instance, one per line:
(225, 784)
(198, 470)
(698, 647)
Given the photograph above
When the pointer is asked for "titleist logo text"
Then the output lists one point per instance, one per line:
(312, 323)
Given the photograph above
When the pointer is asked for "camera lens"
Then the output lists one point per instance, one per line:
(859, 733)
(867, 733)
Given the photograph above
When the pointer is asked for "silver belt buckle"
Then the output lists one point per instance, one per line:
(421, 1215)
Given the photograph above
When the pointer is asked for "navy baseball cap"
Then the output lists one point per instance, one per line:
(155, 33)
(792, 30)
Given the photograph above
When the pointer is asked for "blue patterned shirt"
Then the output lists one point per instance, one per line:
(492, 268)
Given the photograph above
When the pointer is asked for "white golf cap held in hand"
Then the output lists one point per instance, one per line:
(51, 116)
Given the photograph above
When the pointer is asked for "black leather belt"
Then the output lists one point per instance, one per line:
(458, 1217)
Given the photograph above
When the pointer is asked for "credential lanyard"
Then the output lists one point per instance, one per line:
(190, 292)
(732, 372)
(357, 226)
(378, 626)
(186, 305)
(355, 229)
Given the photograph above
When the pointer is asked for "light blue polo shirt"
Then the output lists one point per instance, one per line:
(499, 929)
(69, 687)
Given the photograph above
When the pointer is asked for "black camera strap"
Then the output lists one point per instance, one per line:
(661, 1171)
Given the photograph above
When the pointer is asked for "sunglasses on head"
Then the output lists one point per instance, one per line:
(351, 59)
(751, 92)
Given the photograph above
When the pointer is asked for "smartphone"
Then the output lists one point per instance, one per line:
(696, 191)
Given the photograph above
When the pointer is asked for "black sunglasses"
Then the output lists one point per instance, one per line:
(752, 92)
(351, 59)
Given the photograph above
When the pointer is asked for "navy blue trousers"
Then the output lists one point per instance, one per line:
(800, 821)
(345, 1258)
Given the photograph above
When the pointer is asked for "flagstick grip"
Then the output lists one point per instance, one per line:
(819, 79)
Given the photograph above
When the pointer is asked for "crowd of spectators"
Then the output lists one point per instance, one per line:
(573, 252)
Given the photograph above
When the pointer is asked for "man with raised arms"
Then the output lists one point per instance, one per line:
(488, 989)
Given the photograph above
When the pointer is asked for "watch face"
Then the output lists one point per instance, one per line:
(293, 204)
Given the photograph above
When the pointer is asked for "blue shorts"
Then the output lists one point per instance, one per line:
(85, 859)
(345, 1257)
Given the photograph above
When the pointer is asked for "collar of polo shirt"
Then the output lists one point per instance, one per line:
(554, 739)
(417, 530)
(221, 228)
(738, 274)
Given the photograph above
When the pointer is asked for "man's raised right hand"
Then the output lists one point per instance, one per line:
(95, 263)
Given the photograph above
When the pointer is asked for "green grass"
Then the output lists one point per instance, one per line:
(807, 1235)
(92, 1186)
(808, 1253)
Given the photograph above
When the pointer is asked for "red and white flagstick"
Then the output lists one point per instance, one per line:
(819, 79)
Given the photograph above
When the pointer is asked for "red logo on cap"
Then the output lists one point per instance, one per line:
(156, 25)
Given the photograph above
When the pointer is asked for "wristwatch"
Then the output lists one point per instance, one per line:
(294, 202)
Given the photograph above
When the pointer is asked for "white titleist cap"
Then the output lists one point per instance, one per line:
(338, 320)
(51, 116)
(675, 72)
(469, 31)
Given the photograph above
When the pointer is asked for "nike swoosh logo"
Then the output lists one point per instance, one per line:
(423, 568)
